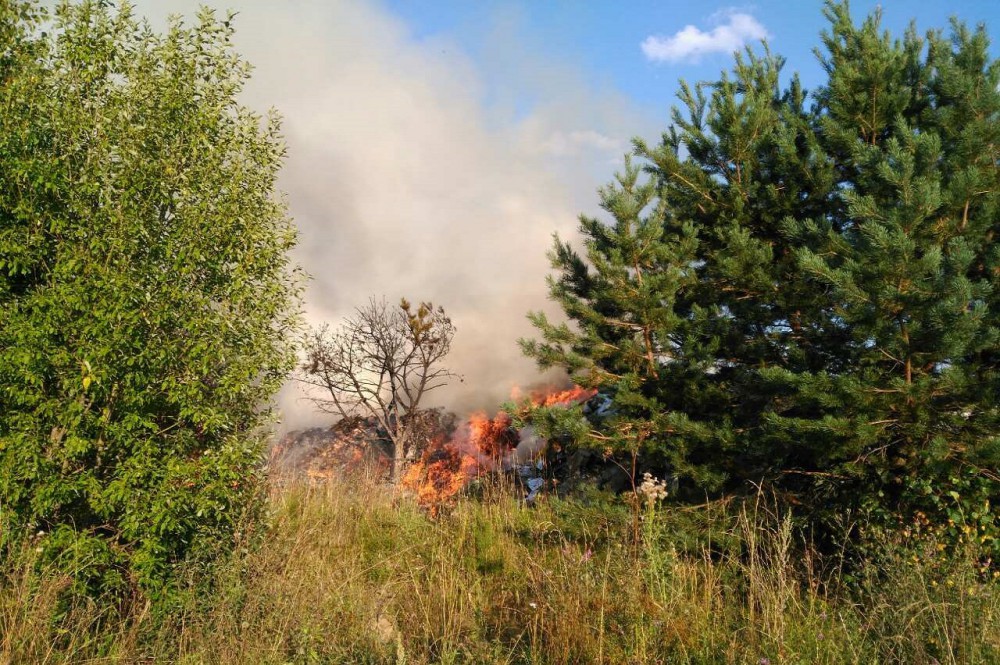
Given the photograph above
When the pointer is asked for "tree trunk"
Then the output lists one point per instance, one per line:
(398, 459)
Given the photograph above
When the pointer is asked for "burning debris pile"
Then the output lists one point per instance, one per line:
(447, 459)
(478, 447)
(352, 446)
(484, 445)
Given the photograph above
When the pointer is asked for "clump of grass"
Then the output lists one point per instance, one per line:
(42, 619)
(348, 572)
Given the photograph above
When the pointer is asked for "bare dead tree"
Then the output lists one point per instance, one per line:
(381, 362)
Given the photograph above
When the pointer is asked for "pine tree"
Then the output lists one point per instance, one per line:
(623, 302)
(910, 263)
(714, 223)
(802, 291)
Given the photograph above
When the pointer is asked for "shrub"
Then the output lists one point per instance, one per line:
(146, 293)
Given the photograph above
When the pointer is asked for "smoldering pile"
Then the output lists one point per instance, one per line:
(351, 447)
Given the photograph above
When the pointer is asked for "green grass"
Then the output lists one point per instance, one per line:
(352, 574)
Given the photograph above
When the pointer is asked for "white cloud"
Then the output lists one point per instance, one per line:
(691, 43)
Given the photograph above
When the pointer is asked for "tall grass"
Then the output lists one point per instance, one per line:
(350, 573)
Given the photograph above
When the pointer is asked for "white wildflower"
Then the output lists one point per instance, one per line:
(652, 488)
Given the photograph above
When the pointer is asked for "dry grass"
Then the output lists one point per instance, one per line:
(347, 573)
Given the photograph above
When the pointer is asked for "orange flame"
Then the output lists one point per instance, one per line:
(567, 397)
(477, 447)
(439, 476)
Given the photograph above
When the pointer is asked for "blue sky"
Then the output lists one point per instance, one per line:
(604, 38)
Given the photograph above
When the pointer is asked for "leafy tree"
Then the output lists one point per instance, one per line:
(803, 289)
(381, 363)
(146, 294)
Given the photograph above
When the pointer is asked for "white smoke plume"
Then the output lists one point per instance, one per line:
(414, 171)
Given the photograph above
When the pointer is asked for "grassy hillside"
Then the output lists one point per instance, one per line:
(346, 573)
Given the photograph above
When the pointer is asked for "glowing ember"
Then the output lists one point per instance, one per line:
(480, 445)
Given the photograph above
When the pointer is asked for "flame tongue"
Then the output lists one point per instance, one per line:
(567, 397)
(478, 446)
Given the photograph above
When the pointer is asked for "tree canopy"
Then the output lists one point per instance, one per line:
(146, 294)
(801, 288)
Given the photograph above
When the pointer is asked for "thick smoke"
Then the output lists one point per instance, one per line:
(414, 171)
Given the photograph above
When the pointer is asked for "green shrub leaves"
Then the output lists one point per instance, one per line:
(146, 294)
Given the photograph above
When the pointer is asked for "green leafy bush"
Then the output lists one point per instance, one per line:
(146, 294)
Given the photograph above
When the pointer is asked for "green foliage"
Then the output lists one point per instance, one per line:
(802, 291)
(146, 294)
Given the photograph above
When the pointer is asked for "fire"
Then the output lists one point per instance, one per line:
(479, 446)
(489, 437)
(439, 476)
(546, 397)
(448, 466)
